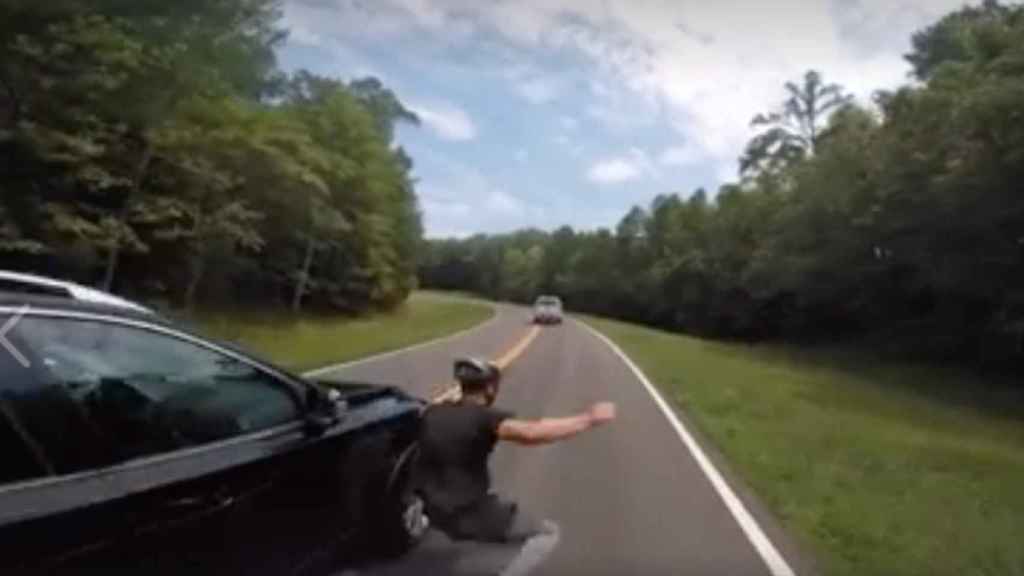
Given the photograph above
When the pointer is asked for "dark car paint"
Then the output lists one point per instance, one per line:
(275, 502)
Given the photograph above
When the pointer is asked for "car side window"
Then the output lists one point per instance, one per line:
(132, 392)
(19, 461)
(20, 458)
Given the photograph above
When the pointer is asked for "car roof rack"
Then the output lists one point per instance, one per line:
(33, 285)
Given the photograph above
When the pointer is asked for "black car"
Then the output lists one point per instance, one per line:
(132, 446)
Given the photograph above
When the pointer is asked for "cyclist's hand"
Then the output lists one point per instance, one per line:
(602, 413)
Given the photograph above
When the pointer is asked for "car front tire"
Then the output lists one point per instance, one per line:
(403, 522)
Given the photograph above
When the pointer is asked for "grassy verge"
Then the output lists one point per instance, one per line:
(878, 468)
(307, 342)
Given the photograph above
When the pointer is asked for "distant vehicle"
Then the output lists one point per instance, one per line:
(547, 310)
(132, 446)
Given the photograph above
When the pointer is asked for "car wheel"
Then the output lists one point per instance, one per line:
(414, 520)
(403, 522)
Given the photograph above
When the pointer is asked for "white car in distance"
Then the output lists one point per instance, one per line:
(547, 310)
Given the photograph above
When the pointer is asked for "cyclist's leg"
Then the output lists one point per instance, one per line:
(524, 526)
(539, 538)
(500, 522)
(485, 521)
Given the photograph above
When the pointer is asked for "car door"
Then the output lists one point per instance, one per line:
(139, 444)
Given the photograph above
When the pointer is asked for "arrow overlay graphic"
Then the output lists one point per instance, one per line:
(6, 344)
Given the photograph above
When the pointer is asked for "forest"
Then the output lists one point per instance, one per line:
(896, 222)
(156, 149)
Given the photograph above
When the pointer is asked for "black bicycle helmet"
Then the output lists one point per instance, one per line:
(473, 372)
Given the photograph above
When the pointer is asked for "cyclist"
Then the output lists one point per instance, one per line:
(456, 441)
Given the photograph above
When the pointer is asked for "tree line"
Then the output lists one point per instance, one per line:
(156, 149)
(898, 221)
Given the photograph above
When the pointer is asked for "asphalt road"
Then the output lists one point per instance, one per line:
(630, 498)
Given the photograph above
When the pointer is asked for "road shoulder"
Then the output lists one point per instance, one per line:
(780, 553)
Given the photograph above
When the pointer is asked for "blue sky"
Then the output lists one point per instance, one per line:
(543, 113)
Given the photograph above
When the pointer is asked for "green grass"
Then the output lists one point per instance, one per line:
(307, 342)
(876, 468)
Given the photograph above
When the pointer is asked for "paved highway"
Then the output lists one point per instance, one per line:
(630, 498)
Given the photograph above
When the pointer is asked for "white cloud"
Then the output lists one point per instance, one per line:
(727, 170)
(615, 170)
(445, 208)
(617, 109)
(702, 69)
(448, 121)
(502, 203)
(459, 199)
(538, 90)
(425, 13)
(299, 34)
(705, 68)
(533, 85)
(381, 19)
(685, 155)
(574, 148)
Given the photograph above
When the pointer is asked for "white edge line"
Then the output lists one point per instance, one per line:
(389, 353)
(769, 554)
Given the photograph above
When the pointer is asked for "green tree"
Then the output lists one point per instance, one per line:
(968, 35)
(93, 83)
(138, 132)
(383, 104)
(792, 133)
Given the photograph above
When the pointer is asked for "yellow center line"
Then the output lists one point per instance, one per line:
(449, 391)
(517, 350)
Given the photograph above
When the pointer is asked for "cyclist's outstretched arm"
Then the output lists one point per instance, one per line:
(549, 430)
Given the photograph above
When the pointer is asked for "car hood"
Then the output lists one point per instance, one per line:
(358, 393)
